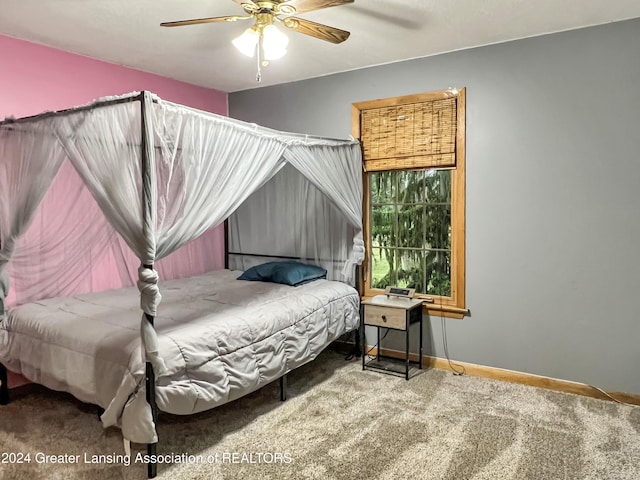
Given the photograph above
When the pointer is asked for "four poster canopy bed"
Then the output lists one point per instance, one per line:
(163, 174)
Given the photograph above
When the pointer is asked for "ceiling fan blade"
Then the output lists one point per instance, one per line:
(303, 6)
(197, 21)
(318, 30)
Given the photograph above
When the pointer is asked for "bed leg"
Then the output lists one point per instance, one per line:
(4, 386)
(283, 387)
(152, 467)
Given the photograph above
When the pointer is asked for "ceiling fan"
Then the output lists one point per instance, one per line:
(264, 39)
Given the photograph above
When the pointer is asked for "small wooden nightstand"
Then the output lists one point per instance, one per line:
(396, 313)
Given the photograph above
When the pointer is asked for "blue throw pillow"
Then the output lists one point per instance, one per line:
(288, 272)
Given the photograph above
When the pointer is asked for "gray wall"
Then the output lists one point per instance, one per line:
(553, 193)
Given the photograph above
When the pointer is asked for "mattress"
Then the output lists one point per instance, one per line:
(220, 338)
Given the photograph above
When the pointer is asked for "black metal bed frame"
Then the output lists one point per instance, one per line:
(152, 467)
(4, 387)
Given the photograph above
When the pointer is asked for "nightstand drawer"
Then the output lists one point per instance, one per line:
(385, 317)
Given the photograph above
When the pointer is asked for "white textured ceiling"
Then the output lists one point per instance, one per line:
(127, 32)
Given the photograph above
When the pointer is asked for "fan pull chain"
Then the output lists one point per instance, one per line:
(259, 72)
(258, 57)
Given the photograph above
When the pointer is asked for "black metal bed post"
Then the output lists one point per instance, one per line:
(283, 387)
(357, 348)
(226, 244)
(4, 387)
(150, 378)
(150, 384)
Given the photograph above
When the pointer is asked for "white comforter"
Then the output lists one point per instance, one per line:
(221, 338)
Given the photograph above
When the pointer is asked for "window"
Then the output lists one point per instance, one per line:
(414, 205)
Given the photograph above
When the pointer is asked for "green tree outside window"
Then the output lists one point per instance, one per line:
(411, 230)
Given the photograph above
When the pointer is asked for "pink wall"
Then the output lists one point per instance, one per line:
(34, 78)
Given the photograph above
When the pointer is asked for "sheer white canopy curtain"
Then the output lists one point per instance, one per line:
(195, 176)
(30, 157)
(339, 177)
(290, 217)
(163, 174)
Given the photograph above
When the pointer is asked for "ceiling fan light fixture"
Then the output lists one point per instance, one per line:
(264, 41)
(275, 37)
(274, 43)
(274, 53)
(247, 42)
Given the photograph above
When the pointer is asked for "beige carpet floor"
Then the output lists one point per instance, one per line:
(342, 423)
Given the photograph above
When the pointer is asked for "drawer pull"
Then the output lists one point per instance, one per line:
(384, 318)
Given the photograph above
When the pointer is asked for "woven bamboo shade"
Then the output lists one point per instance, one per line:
(414, 135)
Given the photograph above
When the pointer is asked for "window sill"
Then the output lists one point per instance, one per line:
(444, 311)
(437, 310)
